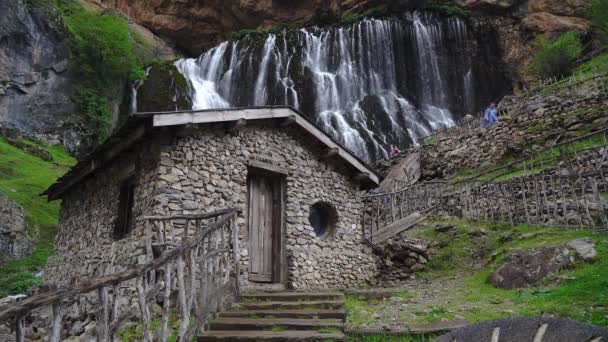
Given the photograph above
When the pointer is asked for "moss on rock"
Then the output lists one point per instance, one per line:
(165, 89)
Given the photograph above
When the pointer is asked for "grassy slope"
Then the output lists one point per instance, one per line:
(22, 178)
(583, 296)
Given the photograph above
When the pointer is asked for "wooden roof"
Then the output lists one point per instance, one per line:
(141, 123)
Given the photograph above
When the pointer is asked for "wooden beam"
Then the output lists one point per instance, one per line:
(288, 121)
(330, 153)
(396, 227)
(236, 125)
(268, 167)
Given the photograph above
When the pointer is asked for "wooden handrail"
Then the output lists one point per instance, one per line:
(54, 296)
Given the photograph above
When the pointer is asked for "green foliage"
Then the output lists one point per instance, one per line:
(598, 14)
(599, 63)
(583, 297)
(555, 58)
(22, 178)
(352, 18)
(389, 338)
(102, 53)
(448, 10)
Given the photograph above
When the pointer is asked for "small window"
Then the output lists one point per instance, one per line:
(124, 219)
(323, 218)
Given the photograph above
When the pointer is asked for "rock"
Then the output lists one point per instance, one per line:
(549, 23)
(528, 267)
(575, 8)
(14, 240)
(165, 89)
(583, 248)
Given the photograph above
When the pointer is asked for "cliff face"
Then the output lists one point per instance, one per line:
(195, 25)
(35, 83)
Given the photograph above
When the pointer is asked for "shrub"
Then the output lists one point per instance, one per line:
(598, 14)
(556, 57)
(449, 10)
(102, 54)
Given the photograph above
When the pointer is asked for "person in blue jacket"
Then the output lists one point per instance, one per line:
(490, 117)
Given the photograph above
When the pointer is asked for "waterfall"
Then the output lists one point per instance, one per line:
(134, 88)
(371, 84)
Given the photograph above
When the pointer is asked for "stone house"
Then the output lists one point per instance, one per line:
(298, 188)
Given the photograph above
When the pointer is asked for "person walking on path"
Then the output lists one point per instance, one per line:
(490, 117)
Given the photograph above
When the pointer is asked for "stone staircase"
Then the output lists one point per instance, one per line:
(281, 316)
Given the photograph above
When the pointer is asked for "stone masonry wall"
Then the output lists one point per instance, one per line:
(204, 171)
(208, 171)
(85, 246)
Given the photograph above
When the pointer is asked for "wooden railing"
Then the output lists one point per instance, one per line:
(564, 185)
(380, 210)
(200, 264)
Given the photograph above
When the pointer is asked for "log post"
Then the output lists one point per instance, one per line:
(56, 326)
(103, 323)
(20, 329)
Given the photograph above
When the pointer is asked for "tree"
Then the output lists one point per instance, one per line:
(598, 14)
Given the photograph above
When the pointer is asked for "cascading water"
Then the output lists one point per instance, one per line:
(372, 84)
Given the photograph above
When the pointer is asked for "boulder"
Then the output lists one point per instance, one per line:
(583, 249)
(548, 23)
(574, 8)
(528, 267)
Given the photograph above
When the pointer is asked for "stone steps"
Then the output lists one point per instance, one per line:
(239, 323)
(338, 314)
(281, 316)
(288, 336)
(293, 305)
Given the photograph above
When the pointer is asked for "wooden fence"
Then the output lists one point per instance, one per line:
(565, 185)
(380, 210)
(200, 265)
(472, 123)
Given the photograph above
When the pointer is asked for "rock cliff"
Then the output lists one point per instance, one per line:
(35, 82)
(195, 26)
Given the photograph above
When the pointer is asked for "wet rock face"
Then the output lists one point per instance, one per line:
(165, 89)
(35, 83)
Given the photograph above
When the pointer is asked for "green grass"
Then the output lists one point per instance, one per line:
(22, 178)
(584, 297)
(389, 338)
(600, 63)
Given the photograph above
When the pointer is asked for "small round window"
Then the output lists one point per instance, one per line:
(323, 218)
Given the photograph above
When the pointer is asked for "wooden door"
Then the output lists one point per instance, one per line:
(264, 227)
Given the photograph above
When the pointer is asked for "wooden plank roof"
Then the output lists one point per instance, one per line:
(140, 124)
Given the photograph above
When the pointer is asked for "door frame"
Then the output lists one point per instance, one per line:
(279, 262)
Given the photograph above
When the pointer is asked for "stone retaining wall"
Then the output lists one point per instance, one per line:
(535, 125)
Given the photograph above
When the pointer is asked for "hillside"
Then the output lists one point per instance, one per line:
(23, 176)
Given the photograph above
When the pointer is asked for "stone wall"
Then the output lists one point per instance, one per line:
(208, 170)
(536, 124)
(14, 241)
(205, 170)
(84, 245)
